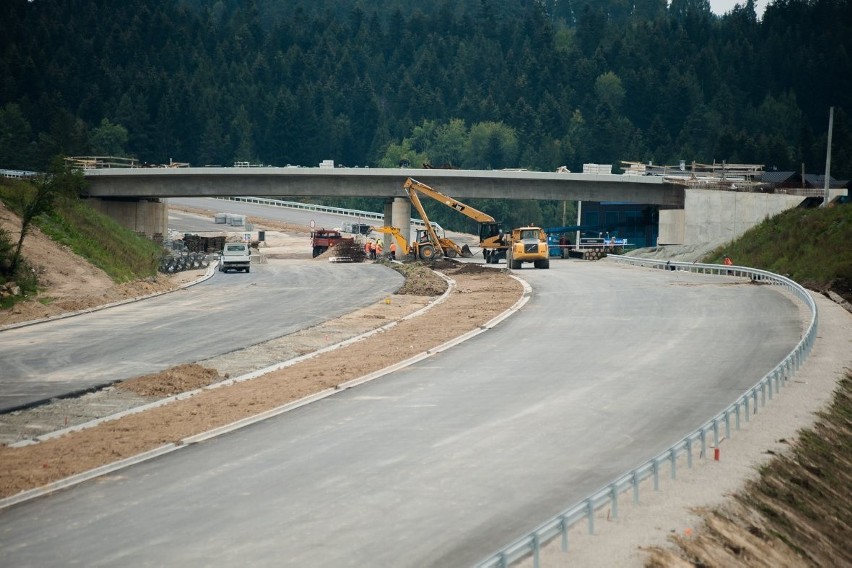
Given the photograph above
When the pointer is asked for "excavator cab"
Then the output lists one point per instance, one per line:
(488, 230)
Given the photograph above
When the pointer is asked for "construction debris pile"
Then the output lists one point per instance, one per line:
(347, 250)
(197, 243)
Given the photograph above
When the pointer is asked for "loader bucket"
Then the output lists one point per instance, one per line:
(466, 252)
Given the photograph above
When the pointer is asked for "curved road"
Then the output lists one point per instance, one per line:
(225, 313)
(444, 462)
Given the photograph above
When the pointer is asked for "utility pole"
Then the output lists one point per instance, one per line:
(579, 213)
(828, 156)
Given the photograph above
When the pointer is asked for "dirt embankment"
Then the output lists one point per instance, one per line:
(68, 283)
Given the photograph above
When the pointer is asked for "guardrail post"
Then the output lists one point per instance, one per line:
(673, 458)
(536, 550)
(635, 487)
(754, 399)
(689, 452)
(590, 511)
(564, 534)
(762, 394)
(656, 470)
(613, 499)
(715, 433)
(737, 415)
(727, 423)
(703, 443)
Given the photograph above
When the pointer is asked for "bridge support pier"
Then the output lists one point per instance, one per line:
(400, 216)
(149, 217)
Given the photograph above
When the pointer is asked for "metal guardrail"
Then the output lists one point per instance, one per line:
(307, 207)
(741, 408)
(17, 174)
(321, 208)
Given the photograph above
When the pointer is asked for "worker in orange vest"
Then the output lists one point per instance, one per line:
(393, 251)
(368, 248)
(378, 248)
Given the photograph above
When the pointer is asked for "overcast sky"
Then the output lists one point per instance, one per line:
(721, 6)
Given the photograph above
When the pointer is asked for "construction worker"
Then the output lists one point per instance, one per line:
(393, 251)
(728, 261)
(378, 249)
(368, 248)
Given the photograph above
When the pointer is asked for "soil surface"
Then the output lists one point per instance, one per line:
(52, 441)
(68, 283)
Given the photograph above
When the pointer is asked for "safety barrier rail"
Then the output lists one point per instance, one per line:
(320, 208)
(307, 207)
(17, 174)
(740, 409)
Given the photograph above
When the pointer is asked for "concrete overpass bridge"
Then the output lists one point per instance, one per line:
(136, 196)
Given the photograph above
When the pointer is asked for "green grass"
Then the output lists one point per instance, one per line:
(811, 246)
(119, 252)
(122, 254)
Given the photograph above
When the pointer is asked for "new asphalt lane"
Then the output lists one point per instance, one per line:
(445, 461)
(229, 311)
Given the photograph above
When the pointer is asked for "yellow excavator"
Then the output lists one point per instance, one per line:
(491, 238)
(441, 246)
(423, 247)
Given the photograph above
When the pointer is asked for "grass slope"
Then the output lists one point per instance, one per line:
(119, 252)
(811, 246)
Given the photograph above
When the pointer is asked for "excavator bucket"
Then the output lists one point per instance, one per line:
(466, 253)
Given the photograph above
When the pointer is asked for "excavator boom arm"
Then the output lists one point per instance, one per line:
(463, 208)
(430, 230)
(397, 235)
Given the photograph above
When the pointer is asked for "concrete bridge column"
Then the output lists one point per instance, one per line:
(387, 239)
(400, 217)
(149, 217)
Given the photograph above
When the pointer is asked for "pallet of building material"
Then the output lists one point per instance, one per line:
(193, 243)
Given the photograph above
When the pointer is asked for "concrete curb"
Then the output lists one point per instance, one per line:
(85, 476)
(227, 428)
(451, 285)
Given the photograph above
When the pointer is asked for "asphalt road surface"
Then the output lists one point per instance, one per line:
(444, 462)
(227, 312)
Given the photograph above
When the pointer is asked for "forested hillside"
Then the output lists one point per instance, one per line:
(476, 83)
